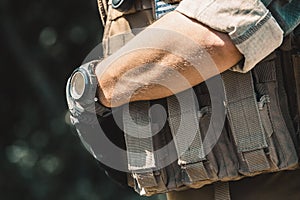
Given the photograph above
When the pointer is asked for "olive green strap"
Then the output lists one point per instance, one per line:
(184, 125)
(245, 121)
(139, 143)
(222, 191)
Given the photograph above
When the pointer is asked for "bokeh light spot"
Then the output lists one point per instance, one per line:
(48, 37)
(78, 35)
(21, 155)
(51, 164)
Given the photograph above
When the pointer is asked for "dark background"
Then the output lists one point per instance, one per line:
(41, 156)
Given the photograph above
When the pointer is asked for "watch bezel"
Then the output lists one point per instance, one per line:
(87, 71)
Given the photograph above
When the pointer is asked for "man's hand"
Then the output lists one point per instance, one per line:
(144, 73)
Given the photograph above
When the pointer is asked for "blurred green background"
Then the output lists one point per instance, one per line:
(41, 156)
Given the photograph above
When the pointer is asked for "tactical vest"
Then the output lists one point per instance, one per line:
(261, 131)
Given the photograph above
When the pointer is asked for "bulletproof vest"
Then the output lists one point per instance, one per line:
(260, 133)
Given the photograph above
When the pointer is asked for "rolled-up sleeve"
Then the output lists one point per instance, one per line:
(249, 24)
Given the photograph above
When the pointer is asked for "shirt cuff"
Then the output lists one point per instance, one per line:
(249, 24)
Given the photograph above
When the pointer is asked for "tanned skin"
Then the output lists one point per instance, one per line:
(147, 78)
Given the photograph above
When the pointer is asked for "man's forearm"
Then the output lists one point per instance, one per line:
(134, 77)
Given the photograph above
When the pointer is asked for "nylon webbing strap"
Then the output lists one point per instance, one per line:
(102, 6)
(117, 41)
(245, 120)
(256, 160)
(138, 138)
(184, 125)
(222, 191)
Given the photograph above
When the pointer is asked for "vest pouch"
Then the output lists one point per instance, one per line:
(246, 129)
(273, 111)
(264, 111)
(121, 27)
(290, 59)
(296, 67)
(157, 175)
(150, 183)
(183, 118)
(225, 162)
(221, 160)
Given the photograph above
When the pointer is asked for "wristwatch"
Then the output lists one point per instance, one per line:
(82, 92)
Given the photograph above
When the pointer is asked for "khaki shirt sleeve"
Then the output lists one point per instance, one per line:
(249, 24)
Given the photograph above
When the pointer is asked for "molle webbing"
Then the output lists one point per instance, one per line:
(277, 122)
(245, 120)
(184, 125)
(140, 149)
(257, 137)
(102, 6)
(222, 191)
(260, 137)
(139, 143)
(163, 6)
